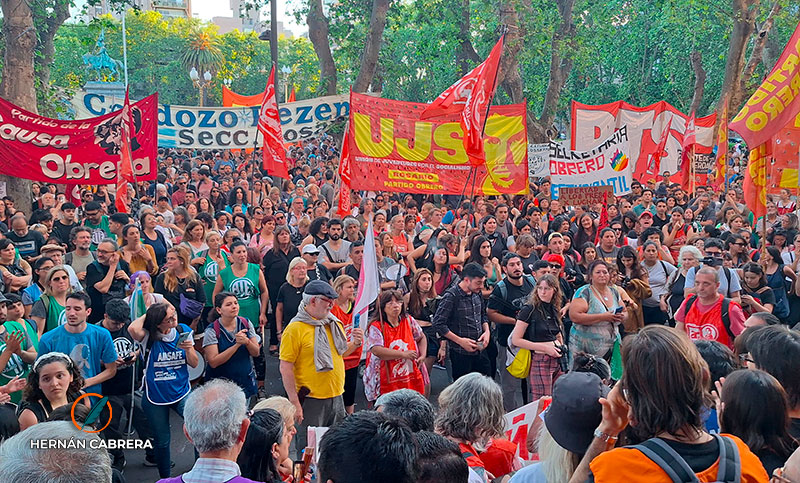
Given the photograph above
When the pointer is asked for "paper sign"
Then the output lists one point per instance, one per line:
(522, 424)
(586, 195)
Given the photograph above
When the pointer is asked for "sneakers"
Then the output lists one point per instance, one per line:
(119, 462)
(150, 461)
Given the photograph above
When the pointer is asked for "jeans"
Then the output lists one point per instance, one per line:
(158, 417)
(122, 404)
(463, 364)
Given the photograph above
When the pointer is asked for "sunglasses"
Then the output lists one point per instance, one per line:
(555, 265)
(58, 279)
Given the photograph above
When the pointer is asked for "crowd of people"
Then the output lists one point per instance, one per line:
(659, 325)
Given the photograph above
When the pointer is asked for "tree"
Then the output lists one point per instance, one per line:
(318, 34)
(372, 45)
(202, 52)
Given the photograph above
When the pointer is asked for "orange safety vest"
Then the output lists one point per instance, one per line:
(631, 465)
(399, 373)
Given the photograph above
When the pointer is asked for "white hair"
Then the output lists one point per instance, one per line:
(213, 415)
(22, 463)
(690, 250)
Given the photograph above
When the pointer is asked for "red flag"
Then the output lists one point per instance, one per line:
(73, 194)
(269, 125)
(755, 181)
(689, 138)
(343, 207)
(125, 163)
(292, 97)
(653, 166)
(470, 97)
(721, 164)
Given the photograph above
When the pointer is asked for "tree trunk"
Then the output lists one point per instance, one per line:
(744, 15)
(46, 46)
(17, 85)
(467, 56)
(699, 80)
(318, 34)
(372, 45)
(540, 130)
(756, 54)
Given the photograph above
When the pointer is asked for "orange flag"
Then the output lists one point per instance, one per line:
(125, 163)
(755, 180)
(292, 97)
(721, 165)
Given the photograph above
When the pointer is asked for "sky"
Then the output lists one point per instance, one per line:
(206, 9)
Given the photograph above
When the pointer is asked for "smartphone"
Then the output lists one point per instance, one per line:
(182, 337)
(618, 310)
(300, 468)
(129, 357)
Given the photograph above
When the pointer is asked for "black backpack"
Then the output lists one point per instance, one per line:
(660, 453)
(726, 315)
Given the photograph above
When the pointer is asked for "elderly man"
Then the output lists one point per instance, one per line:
(56, 253)
(408, 406)
(709, 315)
(312, 364)
(28, 242)
(106, 278)
(215, 421)
(23, 460)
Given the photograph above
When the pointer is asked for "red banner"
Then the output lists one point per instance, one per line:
(85, 151)
(269, 125)
(232, 99)
(391, 149)
(593, 123)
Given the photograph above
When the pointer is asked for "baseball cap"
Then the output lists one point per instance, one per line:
(310, 248)
(646, 213)
(575, 411)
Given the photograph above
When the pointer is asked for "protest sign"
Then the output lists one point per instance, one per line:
(522, 424)
(226, 127)
(390, 149)
(538, 161)
(593, 123)
(85, 151)
(585, 195)
(606, 164)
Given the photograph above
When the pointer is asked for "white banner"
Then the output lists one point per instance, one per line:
(607, 164)
(538, 161)
(225, 127)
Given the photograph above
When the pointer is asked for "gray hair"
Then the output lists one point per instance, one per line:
(213, 415)
(350, 221)
(409, 406)
(471, 409)
(708, 271)
(111, 242)
(690, 250)
(23, 462)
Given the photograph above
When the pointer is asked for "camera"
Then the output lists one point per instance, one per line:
(570, 273)
(711, 261)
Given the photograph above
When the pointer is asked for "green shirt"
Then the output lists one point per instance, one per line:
(99, 232)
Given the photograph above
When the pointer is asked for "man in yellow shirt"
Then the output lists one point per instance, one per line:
(313, 346)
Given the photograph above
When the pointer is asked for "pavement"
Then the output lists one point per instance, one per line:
(183, 452)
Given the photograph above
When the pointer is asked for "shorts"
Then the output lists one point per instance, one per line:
(350, 383)
(433, 341)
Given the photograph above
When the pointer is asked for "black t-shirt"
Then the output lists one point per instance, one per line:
(350, 270)
(765, 297)
(96, 272)
(699, 457)
(62, 231)
(527, 263)
(542, 322)
(291, 297)
(121, 382)
(658, 222)
(186, 287)
(28, 245)
(319, 272)
(509, 306)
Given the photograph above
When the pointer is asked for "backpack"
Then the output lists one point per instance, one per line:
(676, 468)
(501, 285)
(69, 257)
(726, 316)
(240, 322)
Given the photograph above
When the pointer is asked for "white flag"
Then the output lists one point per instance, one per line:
(368, 280)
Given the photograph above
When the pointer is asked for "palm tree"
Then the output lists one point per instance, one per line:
(203, 52)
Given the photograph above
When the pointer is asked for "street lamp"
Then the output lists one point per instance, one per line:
(227, 81)
(200, 83)
(286, 70)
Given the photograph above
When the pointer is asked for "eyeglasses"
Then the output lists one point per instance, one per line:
(745, 357)
(713, 254)
(556, 266)
(105, 251)
(617, 229)
(58, 279)
(741, 244)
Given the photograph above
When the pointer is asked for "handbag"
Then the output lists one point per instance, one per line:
(520, 367)
(190, 308)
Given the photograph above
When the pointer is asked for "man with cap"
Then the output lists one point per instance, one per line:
(569, 422)
(311, 359)
(316, 271)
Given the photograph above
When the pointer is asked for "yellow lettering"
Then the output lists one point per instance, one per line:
(773, 107)
(785, 94)
(759, 96)
(796, 84)
(756, 121)
(422, 143)
(776, 77)
(364, 140)
(790, 64)
(742, 114)
(449, 138)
